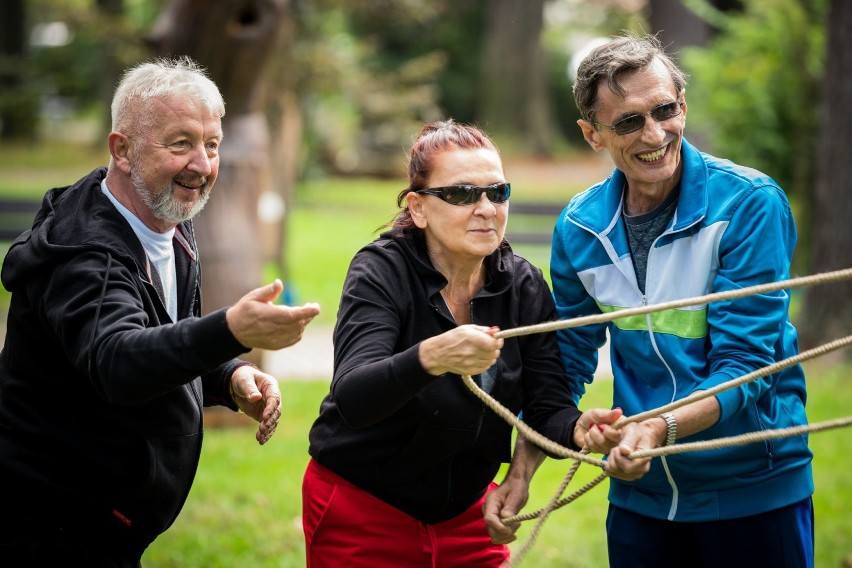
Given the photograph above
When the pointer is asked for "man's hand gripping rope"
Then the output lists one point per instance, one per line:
(748, 438)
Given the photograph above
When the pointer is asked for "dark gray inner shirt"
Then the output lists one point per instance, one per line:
(643, 230)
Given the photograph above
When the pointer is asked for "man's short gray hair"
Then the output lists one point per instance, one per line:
(613, 59)
(158, 78)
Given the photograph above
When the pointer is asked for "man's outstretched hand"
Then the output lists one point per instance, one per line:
(257, 322)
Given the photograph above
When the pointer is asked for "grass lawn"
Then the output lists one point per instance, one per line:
(245, 505)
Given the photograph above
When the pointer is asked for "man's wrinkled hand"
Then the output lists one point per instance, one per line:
(257, 322)
(636, 437)
(258, 396)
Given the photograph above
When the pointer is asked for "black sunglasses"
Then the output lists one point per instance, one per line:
(635, 122)
(470, 194)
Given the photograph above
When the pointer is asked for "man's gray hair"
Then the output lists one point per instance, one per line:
(610, 61)
(158, 78)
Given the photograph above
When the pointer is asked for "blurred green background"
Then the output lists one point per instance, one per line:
(343, 86)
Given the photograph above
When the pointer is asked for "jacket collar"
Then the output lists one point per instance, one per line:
(499, 267)
(80, 217)
(600, 206)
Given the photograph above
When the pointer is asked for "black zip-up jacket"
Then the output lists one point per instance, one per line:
(101, 394)
(422, 443)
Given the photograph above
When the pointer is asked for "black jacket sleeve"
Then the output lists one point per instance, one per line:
(94, 305)
(372, 381)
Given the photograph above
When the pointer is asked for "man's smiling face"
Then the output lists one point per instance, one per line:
(175, 162)
(650, 156)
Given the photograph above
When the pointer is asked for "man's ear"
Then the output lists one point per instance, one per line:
(119, 150)
(591, 134)
(415, 209)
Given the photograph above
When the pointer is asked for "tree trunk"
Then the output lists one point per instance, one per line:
(18, 103)
(827, 310)
(288, 131)
(513, 87)
(678, 24)
(234, 40)
(111, 13)
(678, 27)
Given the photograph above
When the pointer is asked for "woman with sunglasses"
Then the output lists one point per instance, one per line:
(402, 453)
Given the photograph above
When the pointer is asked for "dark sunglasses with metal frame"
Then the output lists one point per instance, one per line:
(470, 194)
(634, 122)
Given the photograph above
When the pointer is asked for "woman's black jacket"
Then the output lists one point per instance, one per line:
(422, 443)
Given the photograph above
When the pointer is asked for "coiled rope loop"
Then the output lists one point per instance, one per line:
(748, 438)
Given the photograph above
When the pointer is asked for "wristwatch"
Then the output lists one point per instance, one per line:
(671, 427)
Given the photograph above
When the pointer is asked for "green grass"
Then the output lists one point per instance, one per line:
(29, 170)
(331, 220)
(244, 507)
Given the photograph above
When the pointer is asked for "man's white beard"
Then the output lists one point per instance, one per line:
(163, 205)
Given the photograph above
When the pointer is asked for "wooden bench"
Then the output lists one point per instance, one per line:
(16, 216)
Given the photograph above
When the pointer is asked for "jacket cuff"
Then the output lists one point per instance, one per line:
(407, 364)
(730, 400)
(213, 341)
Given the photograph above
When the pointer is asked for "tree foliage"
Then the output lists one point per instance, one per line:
(369, 73)
(754, 89)
(77, 75)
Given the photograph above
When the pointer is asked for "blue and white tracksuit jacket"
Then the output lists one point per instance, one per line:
(733, 228)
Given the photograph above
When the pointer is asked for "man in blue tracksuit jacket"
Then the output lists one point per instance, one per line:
(672, 223)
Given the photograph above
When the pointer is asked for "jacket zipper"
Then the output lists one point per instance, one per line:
(482, 406)
(669, 478)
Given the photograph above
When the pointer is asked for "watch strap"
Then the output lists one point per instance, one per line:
(671, 427)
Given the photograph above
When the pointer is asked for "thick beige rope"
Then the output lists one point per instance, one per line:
(561, 451)
(801, 281)
(524, 429)
(754, 375)
(740, 440)
(561, 502)
(558, 450)
(743, 439)
(552, 505)
(775, 367)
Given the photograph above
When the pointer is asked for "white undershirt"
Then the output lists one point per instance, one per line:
(159, 248)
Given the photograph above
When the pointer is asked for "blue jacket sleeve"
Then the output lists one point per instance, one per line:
(578, 346)
(746, 333)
